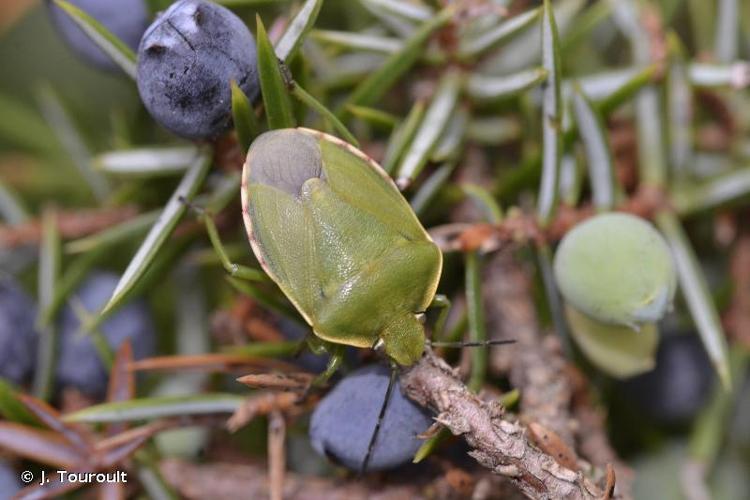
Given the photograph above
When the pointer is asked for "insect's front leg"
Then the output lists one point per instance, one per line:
(234, 269)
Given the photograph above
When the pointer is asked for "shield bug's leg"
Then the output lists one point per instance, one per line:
(334, 363)
(235, 270)
(317, 345)
(444, 303)
(381, 415)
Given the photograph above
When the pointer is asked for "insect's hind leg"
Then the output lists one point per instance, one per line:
(317, 346)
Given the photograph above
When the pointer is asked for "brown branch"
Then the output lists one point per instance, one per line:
(498, 444)
(276, 454)
(264, 403)
(74, 224)
(298, 381)
(521, 228)
(737, 317)
(534, 363)
(244, 320)
(211, 362)
(224, 480)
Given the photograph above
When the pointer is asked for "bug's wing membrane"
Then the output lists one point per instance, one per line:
(286, 243)
(362, 186)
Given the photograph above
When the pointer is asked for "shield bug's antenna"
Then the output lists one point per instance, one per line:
(199, 211)
(381, 415)
(483, 343)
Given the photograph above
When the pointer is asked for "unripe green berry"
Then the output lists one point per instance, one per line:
(617, 269)
(616, 350)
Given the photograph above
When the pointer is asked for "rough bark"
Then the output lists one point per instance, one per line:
(535, 364)
(499, 444)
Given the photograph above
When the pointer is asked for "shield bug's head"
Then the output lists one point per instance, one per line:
(403, 340)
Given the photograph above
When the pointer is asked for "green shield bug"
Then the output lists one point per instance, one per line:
(329, 226)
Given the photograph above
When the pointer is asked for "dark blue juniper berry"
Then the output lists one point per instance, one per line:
(18, 337)
(79, 364)
(343, 422)
(127, 19)
(9, 483)
(679, 386)
(186, 61)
